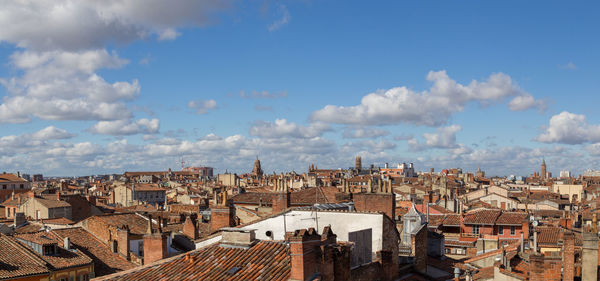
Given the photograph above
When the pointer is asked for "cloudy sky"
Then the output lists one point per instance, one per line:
(92, 87)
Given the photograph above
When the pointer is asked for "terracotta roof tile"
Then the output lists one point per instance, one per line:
(16, 261)
(265, 260)
(512, 218)
(105, 261)
(483, 216)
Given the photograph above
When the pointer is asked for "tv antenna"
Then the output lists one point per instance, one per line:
(182, 162)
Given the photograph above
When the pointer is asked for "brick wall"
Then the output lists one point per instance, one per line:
(419, 248)
(375, 202)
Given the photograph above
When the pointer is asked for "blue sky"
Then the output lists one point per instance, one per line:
(103, 87)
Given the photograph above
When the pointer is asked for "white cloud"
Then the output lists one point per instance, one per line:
(64, 86)
(569, 128)
(443, 137)
(366, 132)
(431, 108)
(285, 19)
(168, 34)
(51, 133)
(526, 101)
(281, 128)
(126, 127)
(202, 106)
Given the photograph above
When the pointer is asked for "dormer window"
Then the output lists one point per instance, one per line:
(49, 250)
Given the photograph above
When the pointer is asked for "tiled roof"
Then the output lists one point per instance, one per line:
(11, 178)
(105, 261)
(64, 221)
(483, 216)
(16, 261)
(40, 238)
(137, 224)
(548, 234)
(264, 261)
(452, 220)
(512, 218)
(63, 259)
(303, 197)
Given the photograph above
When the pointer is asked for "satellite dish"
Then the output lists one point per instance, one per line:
(535, 223)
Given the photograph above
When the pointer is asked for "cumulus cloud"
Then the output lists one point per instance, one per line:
(569, 66)
(444, 137)
(279, 23)
(52, 133)
(281, 128)
(202, 106)
(431, 108)
(64, 86)
(126, 127)
(526, 101)
(62, 47)
(366, 132)
(569, 128)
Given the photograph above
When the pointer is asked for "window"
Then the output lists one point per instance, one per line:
(4, 186)
(22, 186)
(501, 230)
(513, 230)
(476, 229)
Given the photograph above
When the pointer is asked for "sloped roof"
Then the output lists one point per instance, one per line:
(266, 260)
(16, 261)
(512, 218)
(483, 216)
(105, 261)
(63, 259)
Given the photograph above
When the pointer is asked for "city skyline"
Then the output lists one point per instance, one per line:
(92, 88)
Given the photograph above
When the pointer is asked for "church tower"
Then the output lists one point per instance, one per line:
(543, 170)
(257, 170)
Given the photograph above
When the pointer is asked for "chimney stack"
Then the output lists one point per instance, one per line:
(568, 256)
(190, 228)
(304, 251)
(590, 256)
(155, 247)
(222, 216)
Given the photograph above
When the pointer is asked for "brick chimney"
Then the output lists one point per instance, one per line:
(222, 215)
(568, 256)
(190, 229)
(155, 247)
(281, 201)
(304, 251)
(123, 241)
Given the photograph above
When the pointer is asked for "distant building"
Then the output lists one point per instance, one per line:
(565, 174)
(202, 171)
(591, 173)
(141, 193)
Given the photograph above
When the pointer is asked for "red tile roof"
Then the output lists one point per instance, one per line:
(105, 261)
(16, 261)
(266, 260)
(481, 217)
(63, 259)
(512, 218)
